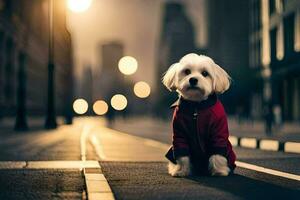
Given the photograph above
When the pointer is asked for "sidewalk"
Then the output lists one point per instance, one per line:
(7, 124)
(288, 132)
(246, 134)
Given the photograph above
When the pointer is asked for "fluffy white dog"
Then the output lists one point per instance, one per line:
(200, 130)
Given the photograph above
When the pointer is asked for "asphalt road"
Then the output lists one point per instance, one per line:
(149, 180)
(134, 166)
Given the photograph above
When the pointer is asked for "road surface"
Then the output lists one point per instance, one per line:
(48, 165)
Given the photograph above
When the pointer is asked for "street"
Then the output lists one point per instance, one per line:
(54, 164)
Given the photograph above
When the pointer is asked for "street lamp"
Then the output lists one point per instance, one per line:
(80, 106)
(118, 102)
(79, 6)
(51, 116)
(100, 107)
(128, 65)
(142, 89)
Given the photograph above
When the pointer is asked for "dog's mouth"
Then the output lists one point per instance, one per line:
(193, 88)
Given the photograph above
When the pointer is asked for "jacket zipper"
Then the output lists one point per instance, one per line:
(195, 117)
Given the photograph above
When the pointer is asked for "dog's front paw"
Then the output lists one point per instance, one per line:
(218, 166)
(181, 169)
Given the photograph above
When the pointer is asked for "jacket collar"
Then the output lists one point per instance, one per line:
(210, 101)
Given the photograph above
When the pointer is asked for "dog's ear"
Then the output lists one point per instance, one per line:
(221, 80)
(169, 77)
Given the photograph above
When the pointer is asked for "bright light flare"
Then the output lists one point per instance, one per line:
(118, 102)
(79, 6)
(142, 89)
(80, 106)
(128, 65)
(100, 107)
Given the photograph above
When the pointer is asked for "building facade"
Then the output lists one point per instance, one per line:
(275, 58)
(228, 45)
(177, 39)
(24, 41)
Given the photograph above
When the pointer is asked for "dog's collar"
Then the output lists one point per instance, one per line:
(210, 101)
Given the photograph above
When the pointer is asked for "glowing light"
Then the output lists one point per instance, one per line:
(79, 5)
(80, 106)
(128, 65)
(118, 102)
(100, 107)
(142, 89)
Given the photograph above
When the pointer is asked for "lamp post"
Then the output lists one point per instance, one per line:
(21, 121)
(267, 94)
(50, 115)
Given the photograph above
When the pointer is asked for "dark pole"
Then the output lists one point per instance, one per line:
(21, 122)
(268, 108)
(51, 116)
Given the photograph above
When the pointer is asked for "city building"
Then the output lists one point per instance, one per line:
(177, 39)
(24, 41)
(109, 79)
(227, 44)
(275, 58)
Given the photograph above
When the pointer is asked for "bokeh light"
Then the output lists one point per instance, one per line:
(118, 102)
(79, 5)
(128, 65)
(142, 89)
(100, 107)
(80, 106)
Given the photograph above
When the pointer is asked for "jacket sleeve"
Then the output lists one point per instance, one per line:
(219, 136)
(180, 145)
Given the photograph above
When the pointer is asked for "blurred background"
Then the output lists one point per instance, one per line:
(65, 58)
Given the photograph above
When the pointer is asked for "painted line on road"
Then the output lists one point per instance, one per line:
(49, 164)
(83, 137)
(267, 171)
(97, 187)
(98, 148)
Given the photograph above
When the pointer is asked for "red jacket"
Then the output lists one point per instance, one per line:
(199, 131)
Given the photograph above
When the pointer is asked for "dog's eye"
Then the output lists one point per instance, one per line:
(205, 73)
(187, 71)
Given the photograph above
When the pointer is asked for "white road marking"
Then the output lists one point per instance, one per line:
(248, 142)
(12, 164)
(292, 147)
(97, 186)
(49, 164)
(83, 137)
(98, 148)
(267, 170)
(270, 145)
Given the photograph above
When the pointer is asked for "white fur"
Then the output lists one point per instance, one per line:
(218, 166)
(218, 81)
(181, 169)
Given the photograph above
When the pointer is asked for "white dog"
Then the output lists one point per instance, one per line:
(200, 130)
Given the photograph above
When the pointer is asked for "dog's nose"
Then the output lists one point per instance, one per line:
(193, 81)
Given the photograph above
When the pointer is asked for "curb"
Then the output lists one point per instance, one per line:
(265, 144)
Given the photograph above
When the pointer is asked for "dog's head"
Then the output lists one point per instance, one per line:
(196, 77)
